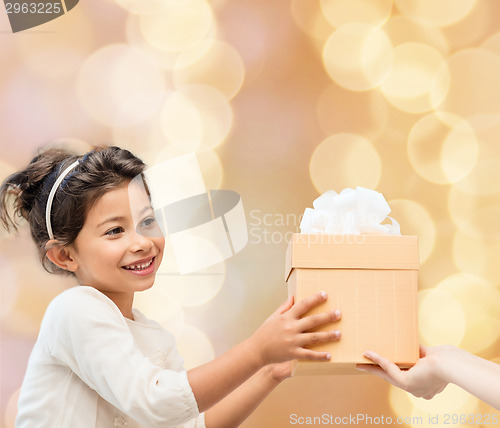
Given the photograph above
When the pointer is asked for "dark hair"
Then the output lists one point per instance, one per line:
(99, 171)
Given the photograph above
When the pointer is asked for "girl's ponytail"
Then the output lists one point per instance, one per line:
(22, 192)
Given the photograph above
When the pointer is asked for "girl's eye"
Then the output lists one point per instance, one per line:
(148, 222)
(115, 231)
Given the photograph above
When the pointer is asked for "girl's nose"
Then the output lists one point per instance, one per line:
(140, 242)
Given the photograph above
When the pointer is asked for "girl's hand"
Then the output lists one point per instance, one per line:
(280, 371)
(424, 379)
(284, 335)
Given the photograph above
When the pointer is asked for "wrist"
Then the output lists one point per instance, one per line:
(274, 374)
(253, 350)
(445, 361)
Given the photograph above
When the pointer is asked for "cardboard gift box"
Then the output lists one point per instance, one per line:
(372, 280)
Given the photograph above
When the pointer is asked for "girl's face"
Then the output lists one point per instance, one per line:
(120, 247)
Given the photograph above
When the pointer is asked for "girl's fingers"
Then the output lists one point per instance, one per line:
(312, 321)
(285, 306)
(300, 308)
(307, 354)
(319, 337)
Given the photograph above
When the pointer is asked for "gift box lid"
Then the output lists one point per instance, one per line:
(321, 251)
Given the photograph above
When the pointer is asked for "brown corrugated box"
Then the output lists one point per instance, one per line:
(372, 280)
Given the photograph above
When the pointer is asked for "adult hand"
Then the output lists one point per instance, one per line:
(425, 379)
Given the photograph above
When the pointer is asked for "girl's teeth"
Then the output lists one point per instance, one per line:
(139, 267)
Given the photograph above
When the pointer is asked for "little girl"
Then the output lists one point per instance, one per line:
(98, 362)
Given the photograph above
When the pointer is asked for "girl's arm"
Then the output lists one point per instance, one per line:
(439, 366)
(282, 337)
(237, 406)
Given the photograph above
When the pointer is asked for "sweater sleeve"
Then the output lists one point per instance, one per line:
(91, 337)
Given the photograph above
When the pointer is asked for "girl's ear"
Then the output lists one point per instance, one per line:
(61, 256)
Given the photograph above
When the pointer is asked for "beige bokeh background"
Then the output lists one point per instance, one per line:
(281, 101)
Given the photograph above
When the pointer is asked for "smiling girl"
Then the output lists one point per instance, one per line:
(98, 362)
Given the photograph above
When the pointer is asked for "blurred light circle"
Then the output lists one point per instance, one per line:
(418, 71)
(17, 106)
(442, 148)
(135, 37)
(401, 29)
(256, 35)
(400, 402)
(139, 108)
(137, 123)
(475, 213)
(358, 57)
(182, 123)
(477, 255)
(484, 178)
(143, 7)
(217, 4)
(453, 400)
(212, 63)
(362, 113)
(345, 160)
(309, 18)
(196, 118)
(146, 137)
(211, 169)
(342, 12)
(414, 219)
(441, 318)
(492, 44)
(415, 412)
(427, 12)
(196, 290)
(473, 79)
(113, 75)
(480, 301)
(195, 347)
(209, 162)
(179, 25)
(159, 305)
(59, 58)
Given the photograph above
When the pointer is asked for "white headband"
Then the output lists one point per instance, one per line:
(52, 193)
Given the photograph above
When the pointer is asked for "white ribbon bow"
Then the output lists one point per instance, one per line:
(352, 211)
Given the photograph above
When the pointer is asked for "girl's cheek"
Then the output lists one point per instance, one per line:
(161, 244)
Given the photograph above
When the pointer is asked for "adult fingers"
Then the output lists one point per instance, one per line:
(378, 371)
(423, 351)
(392, 370)
(300, 308)
(312, 321)
(370, 368)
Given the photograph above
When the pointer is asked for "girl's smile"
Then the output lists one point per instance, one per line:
(141, 267)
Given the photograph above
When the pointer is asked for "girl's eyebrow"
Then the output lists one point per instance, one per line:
(109, 220)
(118, 218)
